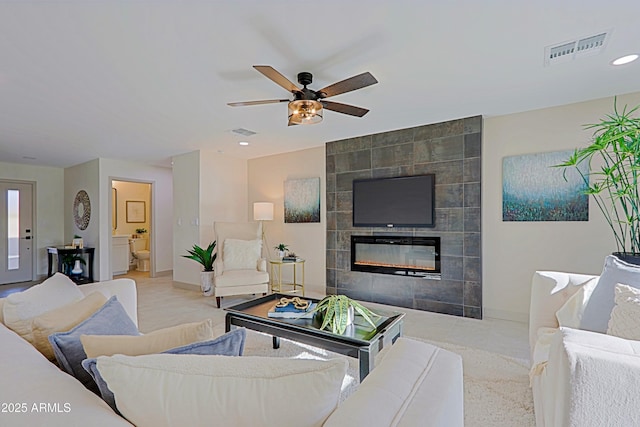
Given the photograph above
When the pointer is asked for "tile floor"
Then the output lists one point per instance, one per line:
(180, 305)
(160, 305)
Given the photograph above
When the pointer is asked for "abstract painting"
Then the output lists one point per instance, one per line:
(534, 190)
(302, 200)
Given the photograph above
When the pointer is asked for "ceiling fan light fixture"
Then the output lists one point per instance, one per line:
(305, 112)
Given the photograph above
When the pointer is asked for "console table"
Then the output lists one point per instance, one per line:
(60, 251)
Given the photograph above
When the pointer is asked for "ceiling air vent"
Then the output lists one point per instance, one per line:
(568, 51)
(243, 132)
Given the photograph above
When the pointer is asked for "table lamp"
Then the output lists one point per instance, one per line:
(263, 211)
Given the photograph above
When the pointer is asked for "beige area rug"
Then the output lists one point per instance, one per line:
(496, 387)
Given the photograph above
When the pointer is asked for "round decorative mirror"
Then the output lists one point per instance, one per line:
(82, 210)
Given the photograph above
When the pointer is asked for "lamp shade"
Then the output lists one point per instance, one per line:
(263, 211)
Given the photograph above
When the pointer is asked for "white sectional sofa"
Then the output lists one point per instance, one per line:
(579, 378)
(416, 384)
(37, 393)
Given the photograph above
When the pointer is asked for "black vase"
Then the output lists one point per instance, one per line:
(629, 257)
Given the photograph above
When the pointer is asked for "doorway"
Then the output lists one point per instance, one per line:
(132, 224)
(16, 232)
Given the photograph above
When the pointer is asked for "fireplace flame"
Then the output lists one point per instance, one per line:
(382, 264)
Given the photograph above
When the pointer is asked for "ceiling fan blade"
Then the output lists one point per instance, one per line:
(266, 101)
(351, 110)
(277, 78)
(352, 83)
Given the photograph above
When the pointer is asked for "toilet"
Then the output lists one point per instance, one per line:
(139, 251)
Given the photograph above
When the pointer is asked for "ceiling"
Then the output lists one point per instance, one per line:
(147, 80)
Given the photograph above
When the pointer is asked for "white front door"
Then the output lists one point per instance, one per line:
(16, 232)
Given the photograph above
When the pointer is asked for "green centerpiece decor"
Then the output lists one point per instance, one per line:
(614, 174)
(335, 313)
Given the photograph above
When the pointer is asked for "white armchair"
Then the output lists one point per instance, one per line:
(578, 378)
(239, 268)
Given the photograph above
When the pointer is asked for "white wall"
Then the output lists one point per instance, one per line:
(95, 178)
(186, 209)
(85, 177)
(161, 210)
(208, 186)
(49, 199)
(513, 251)
(223, 191)
(266, 184)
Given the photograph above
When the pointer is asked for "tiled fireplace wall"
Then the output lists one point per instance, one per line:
(451, 150)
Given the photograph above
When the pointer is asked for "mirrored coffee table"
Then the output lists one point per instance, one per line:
(359, 341)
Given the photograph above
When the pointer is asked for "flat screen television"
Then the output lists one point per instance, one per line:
(406, 201)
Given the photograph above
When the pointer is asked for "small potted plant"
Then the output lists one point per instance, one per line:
(338, 312)
(206, 258)
(71, 264)
(140, 232)
(281, 248)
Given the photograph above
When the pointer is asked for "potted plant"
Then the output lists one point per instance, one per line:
(281, 248)
(140, 231)
(206, 257)
(613, 176)
(71, 264)
(338, 311)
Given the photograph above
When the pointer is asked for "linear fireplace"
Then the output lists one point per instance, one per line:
(400, 255)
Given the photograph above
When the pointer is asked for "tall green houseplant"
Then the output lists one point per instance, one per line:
(206, 258)
(613, 177)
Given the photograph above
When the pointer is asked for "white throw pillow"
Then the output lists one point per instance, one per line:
(570, 314)
(56, 291)
(625, 317)
(153, 342)
(597, 312)
(194, 390)
(241, 254)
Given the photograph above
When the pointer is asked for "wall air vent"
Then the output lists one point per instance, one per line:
(568, 51)
(243, 132)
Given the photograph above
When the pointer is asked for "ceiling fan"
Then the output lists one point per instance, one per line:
(307, 105)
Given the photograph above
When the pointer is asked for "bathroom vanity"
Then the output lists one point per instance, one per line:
(120, 254)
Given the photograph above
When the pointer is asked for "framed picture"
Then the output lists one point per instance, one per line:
(534, 190)
(302, 200)
(136, 211)
(114, 208)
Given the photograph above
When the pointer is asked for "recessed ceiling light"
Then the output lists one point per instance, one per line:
(243, 143)
(624, 59)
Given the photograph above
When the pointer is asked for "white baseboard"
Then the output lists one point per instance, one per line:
(513, 316)
(164, 273)
(187, 286)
